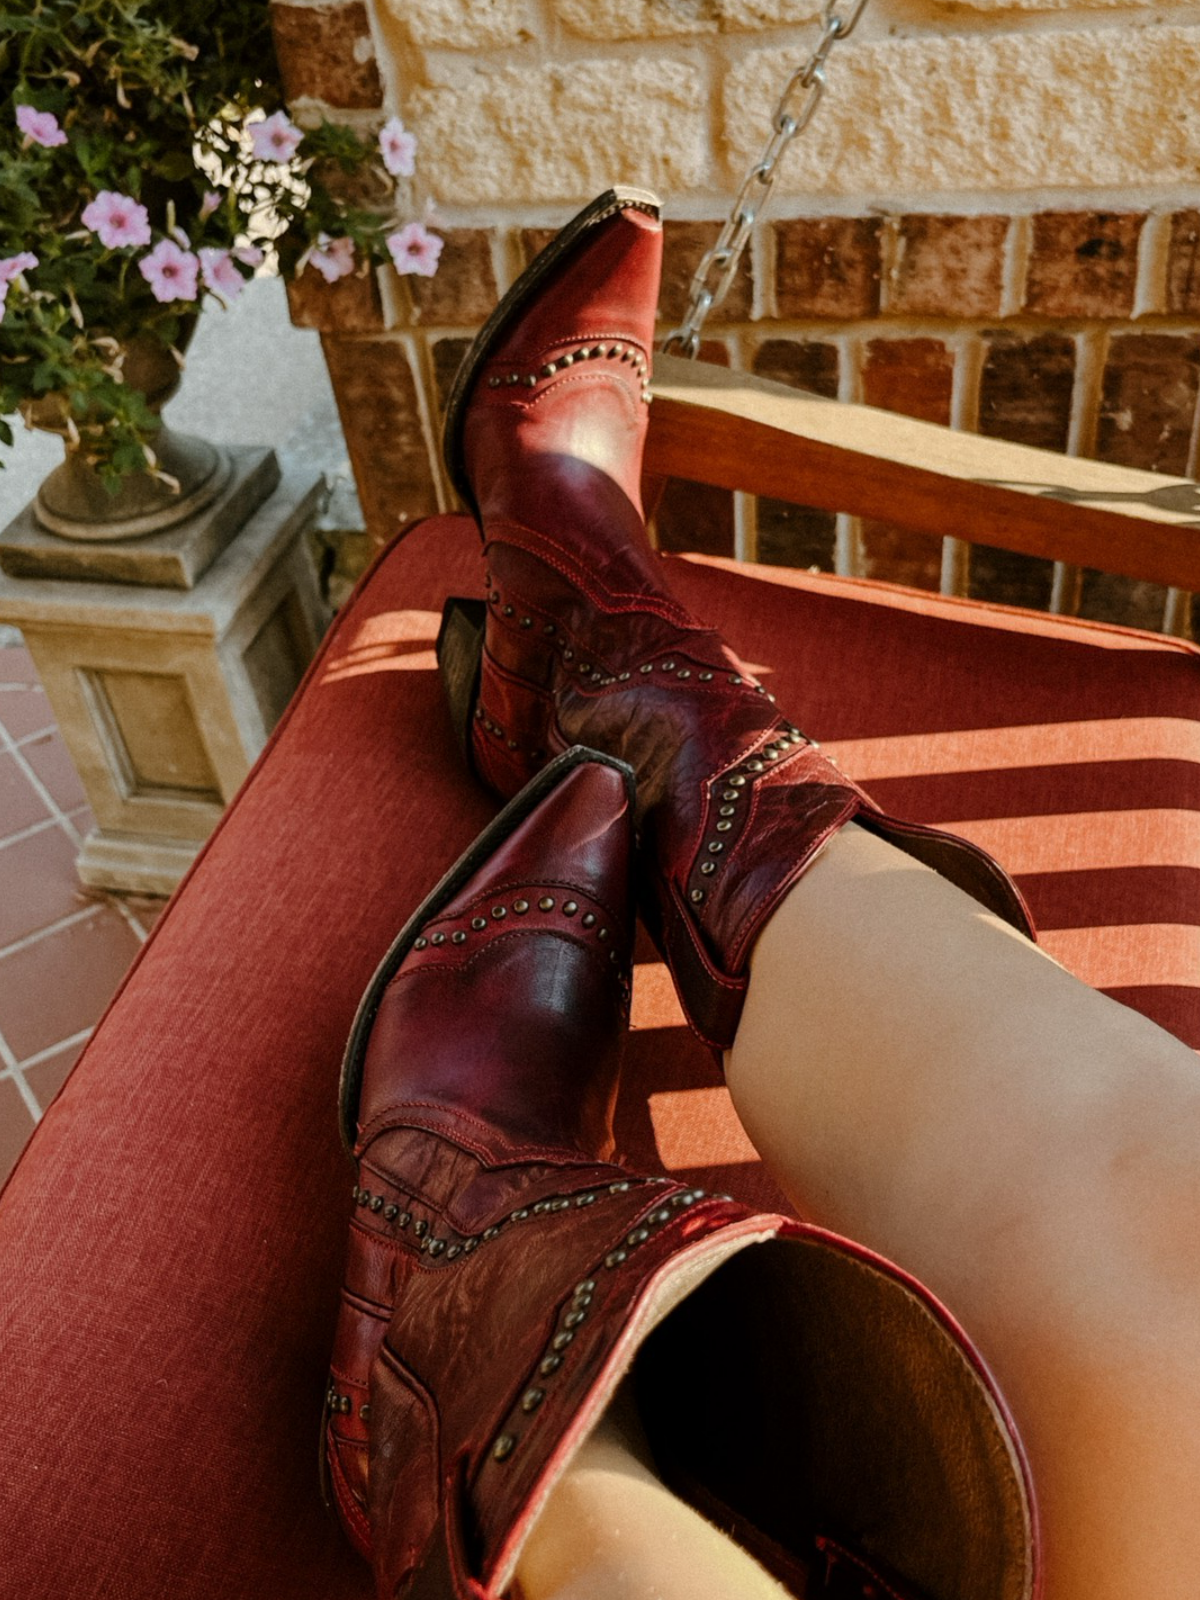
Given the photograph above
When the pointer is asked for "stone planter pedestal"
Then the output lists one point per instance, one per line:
(165, 673)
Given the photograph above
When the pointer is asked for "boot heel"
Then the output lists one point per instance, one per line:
(459, 654)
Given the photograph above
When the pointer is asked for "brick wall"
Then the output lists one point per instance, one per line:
(1032, 271)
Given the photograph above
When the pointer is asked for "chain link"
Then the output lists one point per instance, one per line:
(794, 112)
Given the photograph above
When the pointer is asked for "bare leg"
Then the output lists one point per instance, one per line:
(919, 1076)
(612, 1531)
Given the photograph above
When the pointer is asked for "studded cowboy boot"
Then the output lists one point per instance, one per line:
(581, 641)
(505, 1273)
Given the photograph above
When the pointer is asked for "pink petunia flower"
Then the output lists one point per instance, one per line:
(12, 266)
(219, 273)
(398, 148)
(248, 254)
(40, 126)
(170, 271)
(117, 219)
(276, 139)
(333, 258)
(415, 249)
(210, 203)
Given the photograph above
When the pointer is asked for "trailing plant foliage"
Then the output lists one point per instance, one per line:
(147, 164)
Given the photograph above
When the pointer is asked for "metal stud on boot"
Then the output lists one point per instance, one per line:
(506, 1271)
(579, 639)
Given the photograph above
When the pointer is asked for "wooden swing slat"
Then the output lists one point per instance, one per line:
(737, 431)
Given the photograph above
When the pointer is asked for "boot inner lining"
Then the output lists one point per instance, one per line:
(814, 1406)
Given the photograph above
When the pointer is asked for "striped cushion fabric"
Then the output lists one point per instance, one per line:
(171, 1241)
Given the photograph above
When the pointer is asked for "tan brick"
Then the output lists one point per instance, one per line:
(948, 267)
(463, 290)
(992, 7)
(1025, 395)
(1183, 265)
(827, 267)
(1149, 401)
(461, 24)
(376, 394)
(1083, 263)
(788, 535)
(995, 112)
(683, 245)
(661, 19)
(916, 378)
(327, 53)
(562, 133)
(351, 305)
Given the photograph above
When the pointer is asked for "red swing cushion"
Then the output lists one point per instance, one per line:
(171, 1241)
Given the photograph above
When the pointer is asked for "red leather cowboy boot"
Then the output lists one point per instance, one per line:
(504, 1272)
(581, 640)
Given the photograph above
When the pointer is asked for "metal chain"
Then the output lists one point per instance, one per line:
(712, 278)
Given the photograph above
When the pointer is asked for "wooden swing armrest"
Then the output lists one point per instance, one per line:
(737, 431)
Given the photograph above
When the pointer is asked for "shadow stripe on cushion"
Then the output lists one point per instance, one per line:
(1042, 791)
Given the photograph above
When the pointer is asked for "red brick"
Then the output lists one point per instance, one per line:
(1025, 396)
(533, 240)
(827, 267)
(463, 290)
(1146, 412)
(376, 394)
(916, 378)
(694, 516)
(447, 356)
(684, 243)
(327, 53)
(1183, 265)
(1025, 390)
(948, 267)
(351, 305)
(912, 376)
(809, 364)
(788, 535)
(1083, 263)
(1149, 401)
(1108, 598)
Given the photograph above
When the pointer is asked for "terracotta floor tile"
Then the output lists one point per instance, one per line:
(145, 909)
(82, 821)
(59, 985)
(24, 708)
(48, 756)
(16, 1124)
(46, 1077)
(38, 885)
(20, 804)
(16, 665)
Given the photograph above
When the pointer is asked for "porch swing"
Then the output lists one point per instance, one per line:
(172, 1239)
